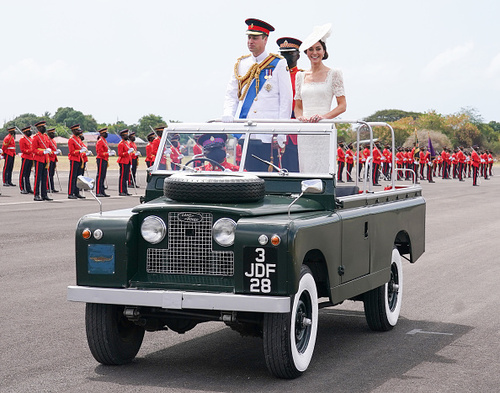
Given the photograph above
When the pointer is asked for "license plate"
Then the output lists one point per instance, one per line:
(260, 272)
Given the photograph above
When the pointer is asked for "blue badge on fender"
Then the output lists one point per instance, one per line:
(101, 258)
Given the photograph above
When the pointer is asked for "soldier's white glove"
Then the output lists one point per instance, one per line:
(112, 152)
(168, 151)
(130, 150)
(227, 119)
(227, 170)
(89, 153)
(58, 152)
(482, 160)
(83, 150)
(139, 153)
(47, 151)
(1, 151)
(181, 156)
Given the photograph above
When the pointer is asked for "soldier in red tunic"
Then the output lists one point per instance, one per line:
(41, 159)
(289, 49)
(134, 160)
(124, 151)
(51, 132)
(150, 155)
(476, 163)
(349, 160)
(25, 145)
(75, 150)
(9, 153)
(102, 157)
(340, 162)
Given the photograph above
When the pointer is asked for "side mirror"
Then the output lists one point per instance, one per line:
(313, 186)
(85, 183)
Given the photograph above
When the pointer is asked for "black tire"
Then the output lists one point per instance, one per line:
(211, 187)
(289, 338)
(112, 338)
(383, 304)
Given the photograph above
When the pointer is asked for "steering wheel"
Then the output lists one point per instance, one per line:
(204, 159)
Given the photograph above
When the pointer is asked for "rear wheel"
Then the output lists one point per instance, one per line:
(112, 338)
(289, 338)
(383, 304)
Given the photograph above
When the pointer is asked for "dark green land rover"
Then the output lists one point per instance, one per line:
(256, 233)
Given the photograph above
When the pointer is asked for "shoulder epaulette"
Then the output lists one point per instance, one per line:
(277, 56)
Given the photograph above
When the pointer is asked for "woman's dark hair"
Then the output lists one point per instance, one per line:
(324, 48)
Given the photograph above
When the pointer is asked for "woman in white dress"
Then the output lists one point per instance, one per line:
(314, 92)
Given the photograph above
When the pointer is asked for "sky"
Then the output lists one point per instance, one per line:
(121, 60)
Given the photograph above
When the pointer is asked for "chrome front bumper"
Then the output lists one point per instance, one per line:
(180, 300)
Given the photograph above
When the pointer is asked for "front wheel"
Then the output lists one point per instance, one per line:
(112, 338)
(289, 338)
(383, 304)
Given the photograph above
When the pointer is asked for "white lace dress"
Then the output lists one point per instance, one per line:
(316, 99)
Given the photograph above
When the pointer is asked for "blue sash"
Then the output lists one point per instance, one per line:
(251, 93)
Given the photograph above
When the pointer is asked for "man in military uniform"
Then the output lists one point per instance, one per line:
(75, 150)
(25, 145)
(259, 88)
(124, 151)
(9, 153)
(102, 157)
(41, 159)
(134, 160)
(289, 49)
(214, 148)
(150, 157)
(51, 132)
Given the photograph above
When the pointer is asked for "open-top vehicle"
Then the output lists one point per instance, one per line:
(261, 250)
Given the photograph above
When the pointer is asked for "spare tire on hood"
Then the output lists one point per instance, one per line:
(222, 187)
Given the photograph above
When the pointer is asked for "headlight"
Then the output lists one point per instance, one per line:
(153, 229)
(223, 232)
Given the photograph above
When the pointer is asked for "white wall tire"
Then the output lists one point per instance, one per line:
(383, 304)
(289, 339)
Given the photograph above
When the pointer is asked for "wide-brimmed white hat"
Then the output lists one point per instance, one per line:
(319, 33)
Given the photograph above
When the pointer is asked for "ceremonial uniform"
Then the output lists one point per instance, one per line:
(377, 159)
(175, 155)
(53, 159)
(198, 150)
(461, 164)
(340, 163)
(124, 151)
(75, 150)
(9, 153)
(150, 157)
(25, 145)
(349, 160)
(476, 162)
(289, 49)
(259, 88)
(85, 157)
(41, 160)
(134, 160)
(102, 159)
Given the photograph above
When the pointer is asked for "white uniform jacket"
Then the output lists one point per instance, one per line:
(273, 102)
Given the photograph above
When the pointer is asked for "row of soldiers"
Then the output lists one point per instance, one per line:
(41, 152)
(417, 162)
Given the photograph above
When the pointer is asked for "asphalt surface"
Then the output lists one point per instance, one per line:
(447, 339)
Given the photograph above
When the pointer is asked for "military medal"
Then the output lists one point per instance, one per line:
(268, 87)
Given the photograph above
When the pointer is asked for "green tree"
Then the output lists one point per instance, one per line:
(143, 128)
(68, 116)
(390, 115)
(430, 121)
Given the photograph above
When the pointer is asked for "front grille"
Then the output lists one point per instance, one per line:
(190, 248)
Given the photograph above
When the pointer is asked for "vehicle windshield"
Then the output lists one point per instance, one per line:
(279, 152)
